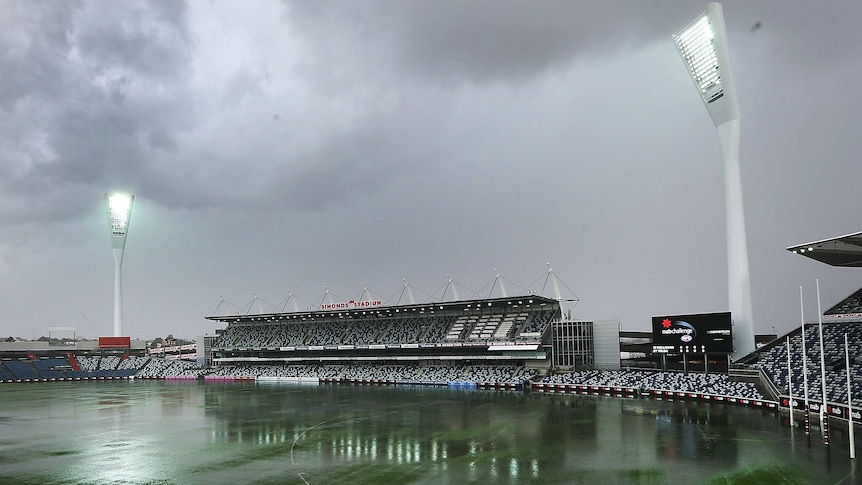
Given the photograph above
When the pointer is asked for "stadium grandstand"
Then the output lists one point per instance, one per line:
(779, 365)
(524, 342)
(502, 339)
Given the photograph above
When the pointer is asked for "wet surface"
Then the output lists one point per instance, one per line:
(152, 432)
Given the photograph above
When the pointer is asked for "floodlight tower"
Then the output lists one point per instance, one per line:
(704, 50)
(119, 212)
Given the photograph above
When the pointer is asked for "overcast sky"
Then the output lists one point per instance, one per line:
(291, 146)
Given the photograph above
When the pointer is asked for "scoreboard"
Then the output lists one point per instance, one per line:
(691, 334)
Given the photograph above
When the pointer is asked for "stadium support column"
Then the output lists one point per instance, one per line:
(704, 50)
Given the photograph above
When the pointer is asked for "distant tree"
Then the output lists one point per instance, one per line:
(10, 339)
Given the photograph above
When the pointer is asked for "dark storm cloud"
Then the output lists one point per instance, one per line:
(379, 150)
(485, 41)
(145, 39)
(104, 87)
(479, 41)
(89, 86)
(416, 49)
(34, 40)
(271, 144)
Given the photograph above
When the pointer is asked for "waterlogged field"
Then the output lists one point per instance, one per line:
(152, 432)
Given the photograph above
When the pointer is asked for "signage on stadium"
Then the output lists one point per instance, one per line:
(350, 305)
(115, 342)
(842, 315)
(840, 411)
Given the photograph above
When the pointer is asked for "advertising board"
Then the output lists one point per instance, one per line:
(698, 333)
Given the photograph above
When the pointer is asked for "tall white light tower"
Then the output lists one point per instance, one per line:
(703, 47)
(119, 212)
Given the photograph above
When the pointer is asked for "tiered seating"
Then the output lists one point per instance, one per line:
(362, 332)
(184, 368)
(461, 324)
(130, 365)
(88, 362)
(483, 324)
(850, 305)
(22, 370)
(246, 336)
(159, 368)
(772, 360)
(107, 364)
(262, 336)
(324, 333)
(6, 375)
(537, 323)
(309, 371)
(155, 368)
(289, 335)
(455, 331)
(494, 326)
(434, 329)
(509, 321)
(715, 384)
(485, 327)
(404, 330)
(45, 367)
(382, 372)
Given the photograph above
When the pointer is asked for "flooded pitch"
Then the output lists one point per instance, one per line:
(153, 432)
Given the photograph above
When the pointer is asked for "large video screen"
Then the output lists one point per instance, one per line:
(690, 334)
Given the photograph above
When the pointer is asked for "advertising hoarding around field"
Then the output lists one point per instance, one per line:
(699, 333)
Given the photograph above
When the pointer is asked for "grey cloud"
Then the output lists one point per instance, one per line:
(477, 41)
(146, 38)
(484, 41)
(34, 43)
(378, 150)
(425, 137)
(99, 86)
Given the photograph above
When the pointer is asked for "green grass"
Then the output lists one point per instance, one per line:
(360, 474)
(784, 474)
(63, 453)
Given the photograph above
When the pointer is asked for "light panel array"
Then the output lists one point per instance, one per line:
(120, 206)
(696, 44)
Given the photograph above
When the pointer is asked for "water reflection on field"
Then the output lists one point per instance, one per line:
(187, 432)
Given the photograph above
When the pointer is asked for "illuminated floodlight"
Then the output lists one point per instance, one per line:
(697, 46)
(704, 50)
(119, 210)
(119, 207)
